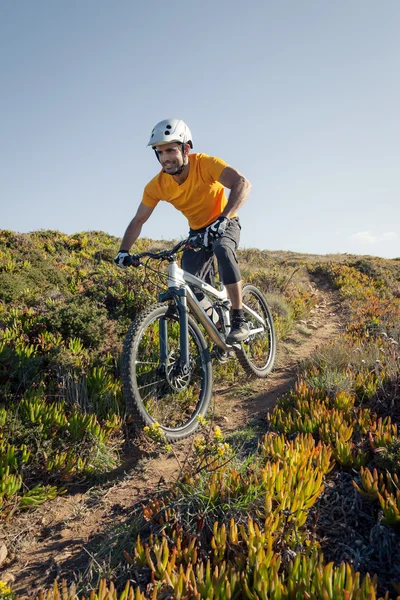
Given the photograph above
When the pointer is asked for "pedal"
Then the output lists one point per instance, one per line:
(236, 346)
(220, 354)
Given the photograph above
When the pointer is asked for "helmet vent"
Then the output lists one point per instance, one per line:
(167, 132)
(169, 127)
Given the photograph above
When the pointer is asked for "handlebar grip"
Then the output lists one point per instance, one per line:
(132, 261)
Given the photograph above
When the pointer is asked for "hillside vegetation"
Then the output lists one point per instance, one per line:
(312, 512)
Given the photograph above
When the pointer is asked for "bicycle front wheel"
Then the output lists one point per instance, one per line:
(155, 389)
(257, 353)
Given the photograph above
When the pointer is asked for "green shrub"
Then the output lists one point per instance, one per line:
(388, 459)
(79, 318)
(331, 380)
(11, 287)
(39, 278)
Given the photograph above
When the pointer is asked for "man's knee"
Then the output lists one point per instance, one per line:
(228, 263)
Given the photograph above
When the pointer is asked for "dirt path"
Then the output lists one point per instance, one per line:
(323, 325)
(53, 541)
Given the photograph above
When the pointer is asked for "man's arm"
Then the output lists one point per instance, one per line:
(135, 227)
(240, 189)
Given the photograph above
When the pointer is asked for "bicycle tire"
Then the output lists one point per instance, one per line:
(256, 355)
(162, 393)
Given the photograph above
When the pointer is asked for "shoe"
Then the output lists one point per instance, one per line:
(239, 332)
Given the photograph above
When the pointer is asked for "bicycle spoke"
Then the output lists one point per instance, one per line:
(153, 383)
(146, 362)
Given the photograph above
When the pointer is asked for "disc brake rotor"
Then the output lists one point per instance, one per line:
(176, 379)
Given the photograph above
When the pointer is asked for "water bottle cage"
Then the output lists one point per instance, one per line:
(212, 314)
(218, 313)
(223, 310)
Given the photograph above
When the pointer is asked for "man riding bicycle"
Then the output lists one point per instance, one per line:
(194, 184)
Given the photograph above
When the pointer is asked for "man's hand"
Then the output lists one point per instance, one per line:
(123, 259)
(195, 242)
(215, 230)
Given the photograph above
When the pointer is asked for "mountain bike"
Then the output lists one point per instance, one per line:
(166, 361)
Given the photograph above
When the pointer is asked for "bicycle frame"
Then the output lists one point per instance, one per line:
(179, 282)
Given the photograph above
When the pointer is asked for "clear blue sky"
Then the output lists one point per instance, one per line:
(301, 97)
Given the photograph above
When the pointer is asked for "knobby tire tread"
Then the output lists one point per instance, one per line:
(129, 392)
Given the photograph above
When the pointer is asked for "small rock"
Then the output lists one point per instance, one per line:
(7, 577)
(312, 326)
(3, 554)
(65, 533)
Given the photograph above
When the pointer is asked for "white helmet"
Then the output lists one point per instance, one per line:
(170, 130)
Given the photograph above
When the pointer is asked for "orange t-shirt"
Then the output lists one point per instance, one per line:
(201, 198)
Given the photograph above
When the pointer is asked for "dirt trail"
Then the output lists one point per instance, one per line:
(53, 541)
(323, 325)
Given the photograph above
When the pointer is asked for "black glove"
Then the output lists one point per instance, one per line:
(124, 259)
(215, 230)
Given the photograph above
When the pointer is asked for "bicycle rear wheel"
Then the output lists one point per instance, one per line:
(257, 354)
(156, 391)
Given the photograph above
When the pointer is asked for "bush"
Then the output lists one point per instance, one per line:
(11, 287)
(388, 459)
(79, 318)
(39, 278)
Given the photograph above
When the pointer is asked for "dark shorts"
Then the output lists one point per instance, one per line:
(201, 263)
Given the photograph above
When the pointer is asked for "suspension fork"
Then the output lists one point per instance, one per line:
(180, 300)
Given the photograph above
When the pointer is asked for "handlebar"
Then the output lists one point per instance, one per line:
(192, 242)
